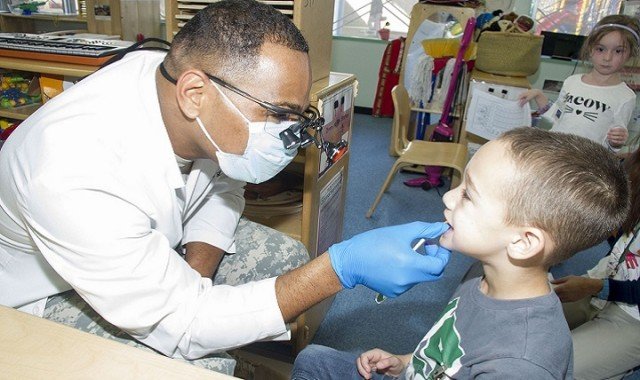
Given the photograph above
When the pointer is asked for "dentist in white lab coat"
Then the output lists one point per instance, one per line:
(106, 186)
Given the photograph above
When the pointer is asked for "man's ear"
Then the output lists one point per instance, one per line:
(190, 92)
(527, 243)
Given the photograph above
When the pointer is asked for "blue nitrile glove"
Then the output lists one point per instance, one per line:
(383, 259)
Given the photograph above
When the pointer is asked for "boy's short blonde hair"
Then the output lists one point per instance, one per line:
(571, 187)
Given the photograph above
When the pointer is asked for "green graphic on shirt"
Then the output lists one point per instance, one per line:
(440, 347)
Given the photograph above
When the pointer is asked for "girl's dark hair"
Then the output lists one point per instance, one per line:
(632, 166)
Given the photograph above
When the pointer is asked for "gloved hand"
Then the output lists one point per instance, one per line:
(383, 259)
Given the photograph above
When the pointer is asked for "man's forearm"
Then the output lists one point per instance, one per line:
(304, 287)
(204, 258)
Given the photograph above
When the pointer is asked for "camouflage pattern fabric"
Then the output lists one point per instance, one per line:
(261, 253)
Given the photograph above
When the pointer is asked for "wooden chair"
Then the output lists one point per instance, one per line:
(401, 120)
(419, 13)
(419, 152)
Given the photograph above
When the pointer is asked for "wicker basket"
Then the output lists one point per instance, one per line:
(509, 53)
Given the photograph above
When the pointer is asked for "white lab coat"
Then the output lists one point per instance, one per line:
(90, 200)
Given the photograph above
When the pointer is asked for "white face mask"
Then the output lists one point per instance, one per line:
(265, 155)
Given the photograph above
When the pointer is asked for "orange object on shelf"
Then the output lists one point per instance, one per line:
(50, 86)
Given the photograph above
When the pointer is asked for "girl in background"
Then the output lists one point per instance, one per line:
(596, 105)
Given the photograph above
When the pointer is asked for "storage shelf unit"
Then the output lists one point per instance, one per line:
(41, 67)
(304, 226)
(13, 23)
(46, 67)
(314, 18)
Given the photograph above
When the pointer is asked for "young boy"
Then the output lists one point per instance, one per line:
(529, 199)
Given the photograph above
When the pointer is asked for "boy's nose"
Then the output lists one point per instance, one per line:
(447, 199)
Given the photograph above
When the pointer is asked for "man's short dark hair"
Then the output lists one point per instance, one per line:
(225, 38)
(571, 187)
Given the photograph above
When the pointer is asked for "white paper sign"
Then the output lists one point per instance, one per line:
(489, 115)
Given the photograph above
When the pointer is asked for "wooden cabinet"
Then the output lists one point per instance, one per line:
(320, 223)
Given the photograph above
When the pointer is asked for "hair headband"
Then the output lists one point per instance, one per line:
(635, 34)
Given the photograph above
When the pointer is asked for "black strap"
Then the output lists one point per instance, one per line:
(139, 46)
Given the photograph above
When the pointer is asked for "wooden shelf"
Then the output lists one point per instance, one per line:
(47, 17)
(19, 113)
(35, 23)
(46, 67)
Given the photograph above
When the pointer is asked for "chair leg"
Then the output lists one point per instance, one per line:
(456, 178)
(384, 188)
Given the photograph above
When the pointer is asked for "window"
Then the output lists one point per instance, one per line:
(573, 16)
(59, 7)
(363, 18)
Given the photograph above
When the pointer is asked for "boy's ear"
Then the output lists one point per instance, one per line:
(526, 244)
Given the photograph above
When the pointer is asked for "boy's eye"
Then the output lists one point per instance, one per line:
(465, 195)
(599, 49)
(619, 51)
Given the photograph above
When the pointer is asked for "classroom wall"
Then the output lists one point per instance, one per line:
(362, 57)
(555, 69)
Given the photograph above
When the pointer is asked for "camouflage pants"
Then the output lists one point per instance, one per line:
(261, 253)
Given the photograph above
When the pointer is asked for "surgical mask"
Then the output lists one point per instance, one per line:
(265, 155)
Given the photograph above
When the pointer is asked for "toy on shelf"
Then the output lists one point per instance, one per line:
(29, 7)
(500, 22)
(6, 128)
(8, 124)
(18, 90)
